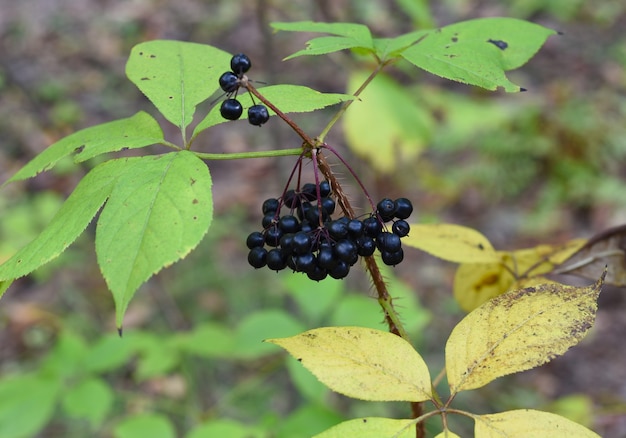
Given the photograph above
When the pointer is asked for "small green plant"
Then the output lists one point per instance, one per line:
(153, 210)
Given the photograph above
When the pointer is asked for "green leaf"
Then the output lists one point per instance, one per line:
(350, 36)
(287, 98)
(386, 126)
(158, 211)
(224, 428)
(387, 48)
(26, 404)
(68, 223)
(307, 420)
(371, 428)
(255, 328)
(145, 426)
(176, 75)
(315, 299)
(362, 363)
(207, 340)
(91, 399)
(478, 52)
(133, 132)
(108, 353)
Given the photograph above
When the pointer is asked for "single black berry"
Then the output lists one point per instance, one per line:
(346, 251)
(268, 220)
(340, 271)
(392, 258)
(231, 109)
(365, 246)
(355, 227)
(257, 257)
(291, 199)
(400, 228)
(404, 208)
(270, 206)
(273, 235)
(240, 63)
(324, 189)
(301, 243)
(389, 242)
(289, 224)
(337, 230)
(255, 239)
(276, 260)
(326, 258)
(305, 262)
(386, 209)
(229, 82)
(257, 115)
(309, 190)
(371, 226)
(317, 273)
(328, 205)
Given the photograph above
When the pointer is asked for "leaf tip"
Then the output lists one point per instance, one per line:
(522, 89)
(120, 331)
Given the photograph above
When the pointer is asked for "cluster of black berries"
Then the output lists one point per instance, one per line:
(308, 240)
(230, 82)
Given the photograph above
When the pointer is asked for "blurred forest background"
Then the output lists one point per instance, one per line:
(543, 166)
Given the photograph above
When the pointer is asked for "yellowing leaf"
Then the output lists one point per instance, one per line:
(447, 434)
(362, 363)
(371, 428)
(517, 331)
(476, 283)
(526, 423)
(451, 242)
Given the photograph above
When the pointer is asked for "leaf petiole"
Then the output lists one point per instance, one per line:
(255, 154)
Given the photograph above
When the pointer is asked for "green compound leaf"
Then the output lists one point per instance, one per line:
(176, 76)
(371, 428)
(133, 132)
(287, 98)
(478, 52)
(158, 211)
(70, 221)
(349, 36)
(91, 399)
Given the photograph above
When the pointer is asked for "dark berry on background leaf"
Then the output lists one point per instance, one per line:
(240, 63)
(404, 208)
(231, 109)
(229, 82)
(317, 273)
(386, 209)
(401, 228)
(257, 257)
(255, 239)
(257, 115)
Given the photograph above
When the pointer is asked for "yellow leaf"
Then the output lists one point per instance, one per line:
(517, 331)
(525, 423)
(476, 283)
(447, 434)
(362, 363)
(451, 242)
(371, 428)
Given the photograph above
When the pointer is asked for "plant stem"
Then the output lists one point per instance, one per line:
(345, 106)
(257, 154)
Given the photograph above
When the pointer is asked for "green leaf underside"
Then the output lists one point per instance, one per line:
(158, 211)
(287, 98)
(176, 75)
(133, 132)
(478, 52)
(70, 221)
(371, 428)
(349, 36)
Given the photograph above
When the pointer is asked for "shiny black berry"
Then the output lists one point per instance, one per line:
(371, 226)
(229, 82)
(404, 208)
(386, 209)
(365, 246)
(240, 64)
(400, 228)
(289, 224)
(257, 257)
(276, 260)
(231, 109)
(392, 258)
(389, 242)
(328, 205)
(324, 189)
(317, 273)
(255, 239)
(258, 115)
(346, 251)
(270, 206)
(340, 271)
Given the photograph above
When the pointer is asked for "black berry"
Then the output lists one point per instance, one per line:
(257, 257)
(392, 258)
(404, 208)
(270, 206)
(386, 209)
(258, 115)
(389, 242)
(229, 82)
(371, 226)
(400, 228)
(255, 239)
(240, 64)
(231, 109)
(276, 260)
(324, 189)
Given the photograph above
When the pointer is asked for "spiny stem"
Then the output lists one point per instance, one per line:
(257, 154)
